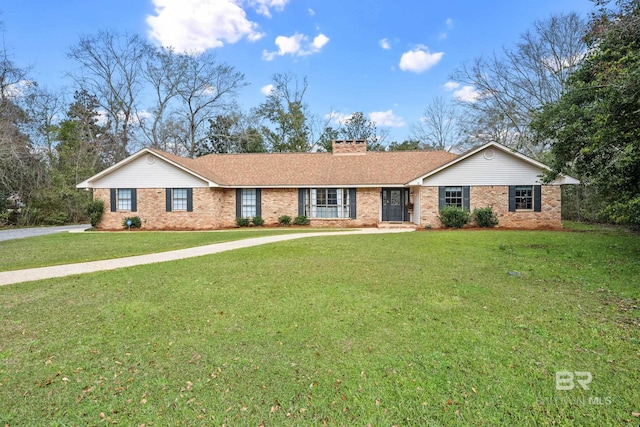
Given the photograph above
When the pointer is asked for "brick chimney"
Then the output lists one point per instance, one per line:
(354, 146)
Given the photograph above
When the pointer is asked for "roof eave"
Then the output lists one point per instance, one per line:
(88, 183)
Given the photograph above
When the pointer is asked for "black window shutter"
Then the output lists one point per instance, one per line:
(301, 201)
(352, 203)
(134, 200)
(168, 200)
(440, 198)
(238, 202)
(466, 204)
(537, 198)
(113, 199)
(189, 199)
(512, 198)
(258, 202)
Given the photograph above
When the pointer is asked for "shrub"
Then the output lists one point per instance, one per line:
(284, 220)
(485, 217)
(258, 221)
(135, 222)
(242, 222)
(627, 213)
(95, 209)
(56, 218)
(301, 220)
(453, 217)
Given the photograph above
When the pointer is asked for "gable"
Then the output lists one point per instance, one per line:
(148, 171)
(489, 166)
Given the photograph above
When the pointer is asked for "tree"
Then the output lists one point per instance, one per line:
(357, 126)
(204, 88)
(163, 69)
(406, 145)
(231, 134)
(325, 142)
(22, 171)
(592, 127)
(286, 112)
(84, 144)
(439, 127)
(110, 67)
(44, 109)
(510, 87)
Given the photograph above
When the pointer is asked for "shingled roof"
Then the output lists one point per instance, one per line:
(313, 169)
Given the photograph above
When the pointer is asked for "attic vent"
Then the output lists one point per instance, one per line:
(150, 158)
(489, 154)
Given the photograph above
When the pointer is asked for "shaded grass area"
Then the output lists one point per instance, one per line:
(67, 248)
(399, 329)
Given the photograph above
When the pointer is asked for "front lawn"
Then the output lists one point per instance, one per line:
(425, 329)
(68, 248)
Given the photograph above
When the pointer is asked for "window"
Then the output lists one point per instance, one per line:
(248, 209)
(328, 202)
(179, 202)
(524, 197)
(123, 199)
(248, 202)
(179, 199)
(458, 197)
(453, 196)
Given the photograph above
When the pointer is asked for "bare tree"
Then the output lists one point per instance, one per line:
(110, 68)
(44, 109)
(164, 69)
(512, 85)
(439, 127)
(21, 171)
(204, 88)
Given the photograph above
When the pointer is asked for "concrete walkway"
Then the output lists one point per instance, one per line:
(18, 276)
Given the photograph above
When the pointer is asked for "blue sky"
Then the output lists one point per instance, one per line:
(388, 59)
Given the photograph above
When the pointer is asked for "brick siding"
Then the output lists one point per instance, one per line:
(215, 208)
(498, 198)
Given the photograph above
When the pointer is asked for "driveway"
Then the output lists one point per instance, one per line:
(20, 233)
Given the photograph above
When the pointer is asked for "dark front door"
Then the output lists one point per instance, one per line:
(393, 201)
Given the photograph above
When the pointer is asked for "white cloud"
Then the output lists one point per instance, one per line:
(467, 94)
(267, 90)
(380, 118)
(263, 6)
(198, 25)
(419, 59)
(16, 90)
(296, 45)
(451, 86)
(319, 41)
(385, 44)
(386, 119)
(449, 25)
(311, 12)
(337, 118)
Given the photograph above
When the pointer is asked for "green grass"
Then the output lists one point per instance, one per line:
(425, 328)
(67, 248)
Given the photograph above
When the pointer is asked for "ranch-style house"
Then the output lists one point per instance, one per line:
(350, 187)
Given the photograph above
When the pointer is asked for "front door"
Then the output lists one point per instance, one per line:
(393, 204)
